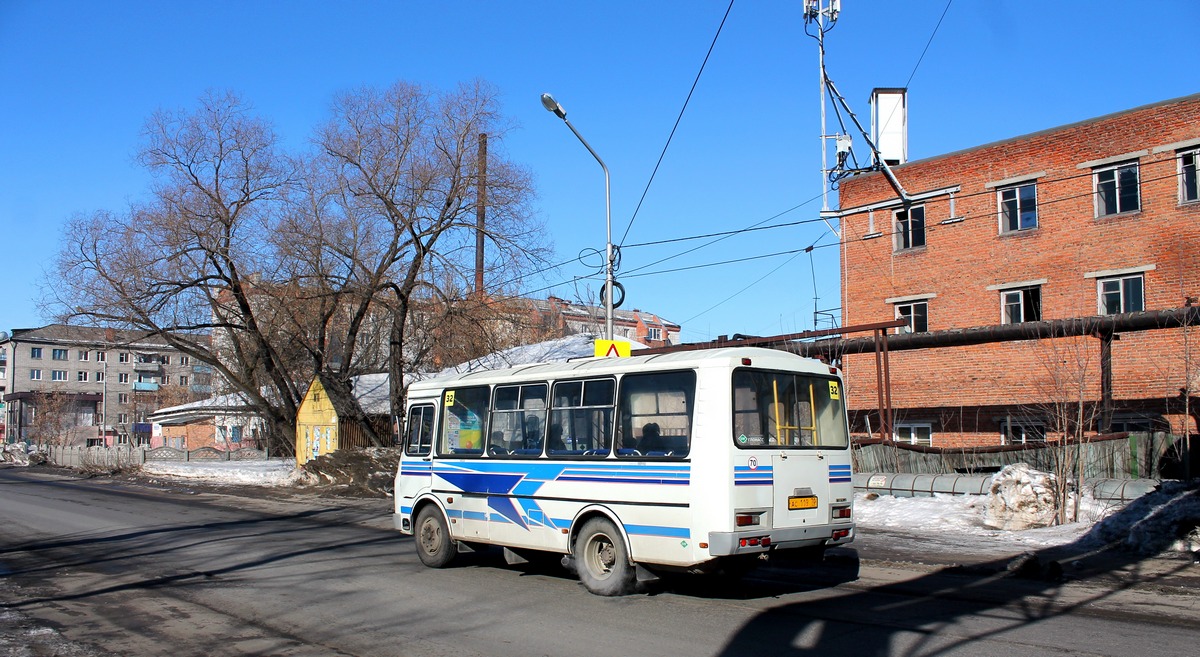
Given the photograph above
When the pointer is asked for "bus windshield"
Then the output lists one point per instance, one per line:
(782, 409)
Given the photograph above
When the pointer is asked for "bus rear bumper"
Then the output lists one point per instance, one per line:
(722, 544)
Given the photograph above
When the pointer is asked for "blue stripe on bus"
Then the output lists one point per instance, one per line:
(656, 530)
(626, 480)
(839, 473)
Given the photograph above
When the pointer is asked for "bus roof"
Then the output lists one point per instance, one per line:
(720, 357)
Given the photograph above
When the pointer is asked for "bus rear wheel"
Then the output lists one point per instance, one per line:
(603, 559)
(434, 546)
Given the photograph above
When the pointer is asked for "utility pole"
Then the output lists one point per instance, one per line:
(480, 211)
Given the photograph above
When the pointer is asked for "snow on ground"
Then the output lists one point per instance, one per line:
(962, 518)
(275, 472)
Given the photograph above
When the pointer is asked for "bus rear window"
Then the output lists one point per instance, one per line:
(781, 409)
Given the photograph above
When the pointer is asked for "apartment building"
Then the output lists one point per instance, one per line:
(562, 318)
(61, 381)
(1099, 219)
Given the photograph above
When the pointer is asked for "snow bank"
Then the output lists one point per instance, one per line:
(257, 473)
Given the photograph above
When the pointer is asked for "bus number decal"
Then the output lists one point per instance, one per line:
(449, 398)
(834, 393)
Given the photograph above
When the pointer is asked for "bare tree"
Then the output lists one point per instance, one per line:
(297, 265)
(1069, 407)
(52, 419)
(403, 163)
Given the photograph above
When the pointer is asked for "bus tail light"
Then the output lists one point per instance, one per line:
(841, 512)
(839, 534)
(755, 541)
(746, 519)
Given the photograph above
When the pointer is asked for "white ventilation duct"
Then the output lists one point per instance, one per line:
(889, 124)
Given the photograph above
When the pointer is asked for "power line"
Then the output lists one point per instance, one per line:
(677, 120)
(929, 228)
(927, 44)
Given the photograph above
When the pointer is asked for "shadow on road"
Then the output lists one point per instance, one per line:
(916, 616)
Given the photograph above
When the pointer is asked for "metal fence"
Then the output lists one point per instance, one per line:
(1120, 456)
(119, 457)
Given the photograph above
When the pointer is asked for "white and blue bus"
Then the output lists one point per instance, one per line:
(690, 461)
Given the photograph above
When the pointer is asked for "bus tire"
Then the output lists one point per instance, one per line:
(602, 559)
(434, 546)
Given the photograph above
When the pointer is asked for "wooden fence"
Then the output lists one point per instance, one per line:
(1117, 456)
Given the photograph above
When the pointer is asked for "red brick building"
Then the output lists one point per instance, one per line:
(1096, 219)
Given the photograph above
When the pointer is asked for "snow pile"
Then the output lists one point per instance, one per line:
(361, 473)
(20, 455)
(1021, 498)
(14, 454)
(275, 472)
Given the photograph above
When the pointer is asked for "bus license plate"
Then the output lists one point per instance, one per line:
(804, 502)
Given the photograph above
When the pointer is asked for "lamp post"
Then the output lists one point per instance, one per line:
(552, 105)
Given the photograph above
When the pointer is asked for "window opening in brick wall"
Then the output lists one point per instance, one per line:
(916, 314)
(1018, 208)
(910, 228)
(1117, 189)
(1021, 432)
(58, 375)
(915, 433)
(1021, 305)
(1120, 294)
(1189, 186)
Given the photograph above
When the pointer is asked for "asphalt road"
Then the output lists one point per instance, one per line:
(104, 566)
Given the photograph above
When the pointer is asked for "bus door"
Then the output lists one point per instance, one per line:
(460, 478)
(416, 464)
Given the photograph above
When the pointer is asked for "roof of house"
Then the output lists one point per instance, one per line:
(583, 312)
(93, 335)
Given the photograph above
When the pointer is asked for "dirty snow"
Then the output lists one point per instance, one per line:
(275, 472)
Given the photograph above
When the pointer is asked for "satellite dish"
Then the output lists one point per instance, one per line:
(3, 336)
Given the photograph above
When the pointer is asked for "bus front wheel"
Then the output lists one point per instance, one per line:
(602, 559)
(434, 545)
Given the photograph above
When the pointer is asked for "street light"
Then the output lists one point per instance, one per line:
(552, 105)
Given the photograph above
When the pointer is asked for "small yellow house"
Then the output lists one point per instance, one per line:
(319, 430)
(316, 424)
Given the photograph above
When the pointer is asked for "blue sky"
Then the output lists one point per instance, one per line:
(80, 78)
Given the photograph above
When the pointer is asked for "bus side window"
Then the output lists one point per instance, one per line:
(581, 418)
(518, 421)
(419, 436)
(656, 414)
